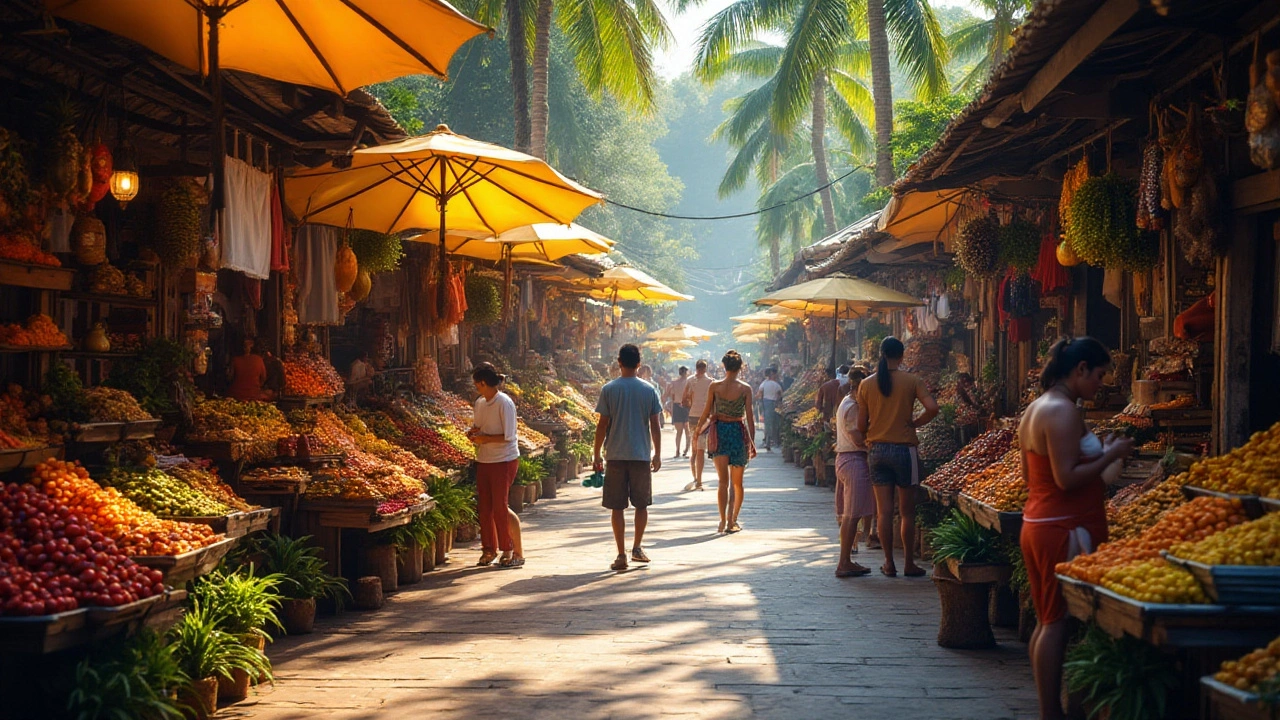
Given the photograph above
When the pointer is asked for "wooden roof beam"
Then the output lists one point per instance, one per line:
(1101, 25)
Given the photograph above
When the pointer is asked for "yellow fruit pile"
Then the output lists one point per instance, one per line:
(1155, 581)
(1193, 522)
(1253, 543)
(1245, 673)
(1251, 469)
(1000, 485)
(1139, 514)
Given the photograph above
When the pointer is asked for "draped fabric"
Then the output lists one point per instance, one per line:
(246, 220)
(279, 233)
(316, 247)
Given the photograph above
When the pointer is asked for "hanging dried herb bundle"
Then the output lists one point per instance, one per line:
(1151, 215)
(484, 300)
(977, 246)
(1199, 230)
(376, 252)
(1019, 244)
(1103, 229)
(179, 219)
(15, 187)
(1074, 178)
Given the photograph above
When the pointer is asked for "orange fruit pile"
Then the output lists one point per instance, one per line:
(1251, 469)
(40, 331)
(1000, 485)
(1255, 667)
(1253, 543)
(22, 249)
(1192, 522)
(134, 530)
(1131, 519)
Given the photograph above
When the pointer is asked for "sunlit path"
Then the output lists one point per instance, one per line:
(752, 624)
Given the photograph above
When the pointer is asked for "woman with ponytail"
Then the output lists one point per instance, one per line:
(1065, 514)
(493, 431)
(886, 416)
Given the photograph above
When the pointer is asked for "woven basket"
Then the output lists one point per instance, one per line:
(89, 240)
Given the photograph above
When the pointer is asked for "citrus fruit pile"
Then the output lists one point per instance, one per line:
(206, 481)
(1141, 513)
(134, 530)
(1251, 469)
(528, 438)
(985, 449)
(258, 425)
(311, 376)
(53, 560)
(1250, 670)
(1194, 521)
(1253, 543)
(1000, 485)
(1155, 581)
(39, 331)
(164, 494)
(23, 249)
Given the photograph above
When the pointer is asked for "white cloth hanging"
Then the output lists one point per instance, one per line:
(1113, 287)
(944, 307)
(246, 220)
(58, 225)
(315, 249)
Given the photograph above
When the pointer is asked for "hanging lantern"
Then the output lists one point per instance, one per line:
(124, 176)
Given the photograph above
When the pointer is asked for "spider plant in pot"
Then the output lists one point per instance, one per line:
(136, 678)
(303, 579)
(246, 605)
(959, 540)
(205, 653)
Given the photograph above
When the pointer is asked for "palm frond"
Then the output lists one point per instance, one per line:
(856, 94)
(749, 111)
(611, 45)
(733, 28)
(854, 57)
(820, 27)
(976, 76)
(972, 40)
(849, 123)
(758, 61)
(919, 45)
(743, 162)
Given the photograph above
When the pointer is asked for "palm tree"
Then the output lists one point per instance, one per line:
(987, 40)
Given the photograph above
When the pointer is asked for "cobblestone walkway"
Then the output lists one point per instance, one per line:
(748, 625)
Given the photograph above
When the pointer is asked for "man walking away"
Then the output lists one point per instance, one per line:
(679, 412)
(770, 394)
(630, 417)
(695, 398)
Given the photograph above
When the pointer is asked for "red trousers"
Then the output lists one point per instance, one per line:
(493, 483)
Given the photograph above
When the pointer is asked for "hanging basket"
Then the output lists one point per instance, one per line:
(89, 240)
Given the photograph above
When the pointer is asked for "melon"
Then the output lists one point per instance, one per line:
(345, 268)
(361, 287)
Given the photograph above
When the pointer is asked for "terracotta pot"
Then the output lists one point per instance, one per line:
(442, 549)
(575, 469)
(562, 475)
(453, 532)
(810, 477)
(201, 697)
(298, 616)
(236, 688)
(380, 560)
(788, 453)
(515, 498)
(409, 565)
(467, 533)
(368, 593)
(549, 482)
(530, 494)
(429, 556)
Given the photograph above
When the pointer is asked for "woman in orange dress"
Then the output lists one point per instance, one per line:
(1065, 514)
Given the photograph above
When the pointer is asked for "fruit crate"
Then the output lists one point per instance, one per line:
(41, 277)
(142, 429)
(1186, 625)
(27, 457)
(1080, 597)
(1004, 522)
(33, 348)
(222, 450)
(944, 499)
(978, 573)
(1223, 702)
(178, 569)
(1269, 504)
(233, 525)
(42, 634)
(1253, 508)
(361, 514)
(1235, 584)
(299, 402)
(103, 432)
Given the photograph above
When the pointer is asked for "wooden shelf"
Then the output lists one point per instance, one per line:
(41, 277)
(34, 348)
(99, 355)
(122, 300)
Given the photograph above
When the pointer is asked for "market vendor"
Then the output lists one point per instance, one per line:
(360, 378)
(248, 374)
(968, 407)
(274, 385)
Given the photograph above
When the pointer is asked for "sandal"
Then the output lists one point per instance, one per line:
(914, 572)
(888, 572)
(720, 529)
(512, 562)
(486, 559)
(735, 527)
(855, 571)
(619, 563)
(638, 555)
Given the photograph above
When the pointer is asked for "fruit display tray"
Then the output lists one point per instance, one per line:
(361, 514)
(1224, 702)
(41, 634)
(299, 402)
(1186, 625)
(41, 277)
(979, 573)
(1004, 522)
(178, 569)
(1080, 597)
(942, 498)
(27, 457)
(1253, 508)
(1270, 504)
(233, 525)
(1235, 584)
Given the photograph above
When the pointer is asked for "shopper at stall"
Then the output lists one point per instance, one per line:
(360, 377)
(695, 398)
(273, 387)
(770, 394)
(731, 428)
(674, 396)
(855, 500)
(828, 398)
(630, 414)
(886, 405)
(1065, 513)
(493, 430)
(248, 374)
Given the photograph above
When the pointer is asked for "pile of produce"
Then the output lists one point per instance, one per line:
(427, 442)
(257, 426)
(804, 391)
(1155, 581)
(1253, 543)
(484, 300)
(134, 530)
(308, 375)
(938, 438)
(1254, 670)
(23, 249)
(107, 279)
(364, 475)
(1194, 521)
(39, 331)
(1001, 484)
(20, 424)
(1251, 469)
(985, 449)
(53, 559)
(1131, 518)
(808, 423)
(977, 246)
(157, 375)
(412, 464)
(163, 494)
(279, 474)
(110, 405)
(205, 480)
(528, 438)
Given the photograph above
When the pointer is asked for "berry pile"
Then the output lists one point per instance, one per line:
(985, 449)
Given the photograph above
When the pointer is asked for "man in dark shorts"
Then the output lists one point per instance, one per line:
(630, 417)
(679, 411)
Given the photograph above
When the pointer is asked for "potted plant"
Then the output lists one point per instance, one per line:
(303, 579)
(409, 541)
(134, 679)
(434, 523)
(205, 653)
(380, 560)
(554, 468)
(245, 605)
(967, 559)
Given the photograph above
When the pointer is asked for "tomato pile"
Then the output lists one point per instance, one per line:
(311, 376)
(52, 559)
(985, 449)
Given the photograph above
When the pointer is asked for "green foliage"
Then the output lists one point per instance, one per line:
(376, 252)
(63, 386)
(245, 603)
(1019, 244)
(484, 300)
(1103, 229)
(300, 568)
(1128, 677)
(155, 375)
(420, 531)
(529, 472)
(917, 126)
(456, 504)
(929, 514)
(203, 650)
(1019, 580)
(960, 538)
(815, 445)
(129, 680)
(581, 451)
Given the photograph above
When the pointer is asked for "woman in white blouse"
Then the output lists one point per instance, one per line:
(493, 430)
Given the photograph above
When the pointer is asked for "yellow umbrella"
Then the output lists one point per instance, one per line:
(337, 45)
(668, 345)
(679, 355)
(753, 329)
(774, 316)
(681, 332)
(750, 338)
(627, 283)
(540, 241)
(438, 181)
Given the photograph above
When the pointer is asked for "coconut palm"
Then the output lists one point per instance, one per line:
(987, 40)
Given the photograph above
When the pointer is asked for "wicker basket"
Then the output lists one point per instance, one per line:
(89, 240)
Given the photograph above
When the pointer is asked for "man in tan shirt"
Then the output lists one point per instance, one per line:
(695, 397)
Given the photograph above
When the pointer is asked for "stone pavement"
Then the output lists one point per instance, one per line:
(747, 625)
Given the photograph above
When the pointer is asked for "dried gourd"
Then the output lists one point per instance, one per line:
(345, 268)
(1074, 178)
(1150, 211)
(1188, 157)
(977, 246)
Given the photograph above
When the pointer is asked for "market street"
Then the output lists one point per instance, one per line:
(752, 624)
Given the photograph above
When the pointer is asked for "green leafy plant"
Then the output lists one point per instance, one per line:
(376, 252)
(154, 374)
(300, 568)
(455, 503)
(581, 451)
(1019, 581)
(484, 300)
(961, 538)
(529, 472)
(929, 514)
(419, 531)
(130, 680)
(1127, 677)
(64, 388)
(246, 603)
(815, 445)
(203, 650)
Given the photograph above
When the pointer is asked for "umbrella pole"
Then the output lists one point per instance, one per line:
(442, 265)
(506, 285)
(613, 316)
(217, 138)
(835, 333)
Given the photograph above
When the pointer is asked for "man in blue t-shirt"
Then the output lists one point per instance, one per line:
(630, 417)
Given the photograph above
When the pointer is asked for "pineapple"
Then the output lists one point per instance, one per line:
(63, 162)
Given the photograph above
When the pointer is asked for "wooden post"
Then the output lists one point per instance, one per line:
(1232, 344)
